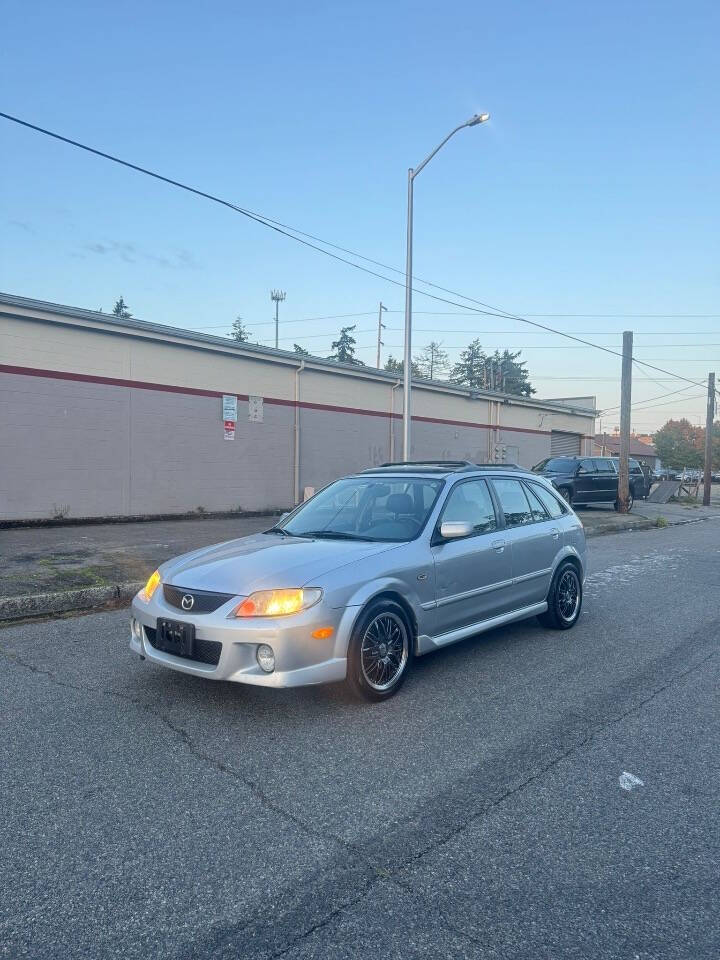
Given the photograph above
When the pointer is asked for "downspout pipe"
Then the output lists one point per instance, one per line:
(296, 464)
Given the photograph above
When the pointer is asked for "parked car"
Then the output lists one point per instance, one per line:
(588, 480)
(375, 569)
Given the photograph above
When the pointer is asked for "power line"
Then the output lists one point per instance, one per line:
(297, 235)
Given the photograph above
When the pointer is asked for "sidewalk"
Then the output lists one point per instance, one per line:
(56, 569)
(53, 570)
(603, 519)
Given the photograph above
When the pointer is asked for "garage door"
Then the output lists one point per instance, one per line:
(564, 444)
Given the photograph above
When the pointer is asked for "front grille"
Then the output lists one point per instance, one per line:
(203, 600)
(204, 651)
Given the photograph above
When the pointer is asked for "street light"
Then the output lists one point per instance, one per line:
(407, 365)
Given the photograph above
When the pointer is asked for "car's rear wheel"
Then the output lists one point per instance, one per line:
(631, 500)
(564, 599)
(380, 651)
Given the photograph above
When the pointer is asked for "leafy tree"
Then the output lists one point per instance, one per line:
(344, 347)
(398, 367)
(433, 361)
(239, 331)
(121, 309)
(679, 444)
(301, 350)
(471, 368)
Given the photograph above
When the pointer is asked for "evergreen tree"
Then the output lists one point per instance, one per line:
(239, 331)
(471, 368)
(432, 363)
(121, 310)
(344, 347)
(301, 350)
(509, 375)
(398, 367)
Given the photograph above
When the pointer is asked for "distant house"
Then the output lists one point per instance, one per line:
(608, 445)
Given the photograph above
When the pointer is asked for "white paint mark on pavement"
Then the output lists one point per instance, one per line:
(628, 781)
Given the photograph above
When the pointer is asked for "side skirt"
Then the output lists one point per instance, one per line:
(425, 643)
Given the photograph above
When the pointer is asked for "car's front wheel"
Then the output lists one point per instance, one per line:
(564, 599)
(566, 494)
(380, 651)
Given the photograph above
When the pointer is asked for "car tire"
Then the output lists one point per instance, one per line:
(380, 651)
(631, 501)
(564, 598)
(566, 494)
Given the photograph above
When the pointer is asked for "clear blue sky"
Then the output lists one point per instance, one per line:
(594, 188)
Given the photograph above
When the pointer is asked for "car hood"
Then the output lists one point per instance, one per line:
(264, 562)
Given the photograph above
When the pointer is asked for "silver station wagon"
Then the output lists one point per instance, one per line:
(375, 569)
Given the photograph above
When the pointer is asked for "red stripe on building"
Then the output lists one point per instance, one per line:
(303, 404)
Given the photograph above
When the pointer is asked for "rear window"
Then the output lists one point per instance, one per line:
(556, 465)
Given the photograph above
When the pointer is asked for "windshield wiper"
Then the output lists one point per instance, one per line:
(281, 530)
(334, 535)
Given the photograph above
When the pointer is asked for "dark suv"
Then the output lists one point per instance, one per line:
(588, 480)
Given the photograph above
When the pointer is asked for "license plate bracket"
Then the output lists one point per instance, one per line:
(175, 637)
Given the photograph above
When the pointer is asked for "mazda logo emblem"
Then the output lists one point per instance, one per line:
(187, 601)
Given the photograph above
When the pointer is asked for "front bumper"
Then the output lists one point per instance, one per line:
(300, 659)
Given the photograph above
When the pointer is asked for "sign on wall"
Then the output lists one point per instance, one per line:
(255, 409)
(229, 429)
(229, 408)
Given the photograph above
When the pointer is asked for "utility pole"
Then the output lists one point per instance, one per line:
(709, 418)
(381, 327)
(277, 296)
(625, 400)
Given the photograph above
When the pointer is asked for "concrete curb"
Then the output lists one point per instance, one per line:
(642, 523)
(89, 598)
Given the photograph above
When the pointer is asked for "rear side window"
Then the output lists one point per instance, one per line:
(551, 503)
(513, 501)
(536, 508)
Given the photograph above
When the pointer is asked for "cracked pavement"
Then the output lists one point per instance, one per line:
(479, 813)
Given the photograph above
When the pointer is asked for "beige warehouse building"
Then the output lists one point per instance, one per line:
(104, 417)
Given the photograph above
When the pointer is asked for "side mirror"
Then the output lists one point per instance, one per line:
(456, 529)
(283, 515)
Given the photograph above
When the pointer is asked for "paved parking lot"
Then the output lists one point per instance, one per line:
(483, 812)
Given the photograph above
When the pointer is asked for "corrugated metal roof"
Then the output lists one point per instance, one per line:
(136, 327)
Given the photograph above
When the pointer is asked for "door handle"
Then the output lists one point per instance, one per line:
(555, 533)
(498, 545)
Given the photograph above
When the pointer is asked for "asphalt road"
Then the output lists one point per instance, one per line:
(481, 813)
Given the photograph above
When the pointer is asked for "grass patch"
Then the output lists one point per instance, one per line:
(661, 521)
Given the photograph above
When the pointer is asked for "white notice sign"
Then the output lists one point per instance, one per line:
(229, 407)
(255, 409)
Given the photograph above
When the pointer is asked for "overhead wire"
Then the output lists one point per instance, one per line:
(294, 233)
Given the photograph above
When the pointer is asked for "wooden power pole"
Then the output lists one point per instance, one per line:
(709, 418)
(625, 402)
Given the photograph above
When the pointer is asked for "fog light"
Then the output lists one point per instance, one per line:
(266, 658)
(136, 629)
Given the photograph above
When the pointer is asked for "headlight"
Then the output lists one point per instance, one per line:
(277, 603)
(151, 586)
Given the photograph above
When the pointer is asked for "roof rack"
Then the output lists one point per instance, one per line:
(440, 466)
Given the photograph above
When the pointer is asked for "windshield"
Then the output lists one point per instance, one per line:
(366, 508)
(556, 465)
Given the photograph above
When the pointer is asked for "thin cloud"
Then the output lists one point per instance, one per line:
(130, 253)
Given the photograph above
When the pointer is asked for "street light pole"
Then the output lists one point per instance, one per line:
(407, 354)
